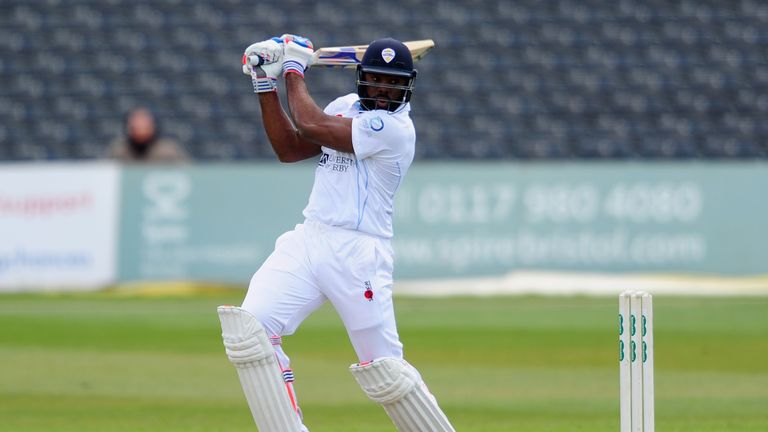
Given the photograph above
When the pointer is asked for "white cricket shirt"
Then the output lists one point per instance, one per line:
(357, 191)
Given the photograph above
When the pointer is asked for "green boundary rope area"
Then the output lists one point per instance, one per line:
(123, 361)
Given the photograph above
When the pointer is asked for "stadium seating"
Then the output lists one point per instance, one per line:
(562, 79)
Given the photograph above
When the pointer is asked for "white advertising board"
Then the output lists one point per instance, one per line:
(58, 225)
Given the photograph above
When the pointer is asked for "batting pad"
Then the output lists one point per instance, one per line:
(249, 349)
(398, 387)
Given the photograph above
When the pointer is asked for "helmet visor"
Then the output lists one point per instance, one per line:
(384, 100)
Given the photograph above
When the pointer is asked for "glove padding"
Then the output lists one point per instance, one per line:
(263, 62)
(297, 54)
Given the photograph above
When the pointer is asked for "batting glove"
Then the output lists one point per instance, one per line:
(298, 52)
(263, 62)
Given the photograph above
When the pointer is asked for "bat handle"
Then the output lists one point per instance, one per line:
(255, 60)
(314, 58)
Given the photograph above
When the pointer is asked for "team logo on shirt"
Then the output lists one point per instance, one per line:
(371, 125)
(377, 124)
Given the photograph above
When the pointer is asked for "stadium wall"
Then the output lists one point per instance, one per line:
(455, 221)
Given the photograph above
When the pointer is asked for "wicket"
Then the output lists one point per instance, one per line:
(636, 361)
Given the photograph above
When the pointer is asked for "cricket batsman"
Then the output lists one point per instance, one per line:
(342, 252)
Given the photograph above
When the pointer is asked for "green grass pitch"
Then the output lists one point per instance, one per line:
(106, 362)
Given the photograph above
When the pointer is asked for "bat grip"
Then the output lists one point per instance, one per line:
(255, 60)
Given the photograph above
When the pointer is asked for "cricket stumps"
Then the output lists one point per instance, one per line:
(636, 361)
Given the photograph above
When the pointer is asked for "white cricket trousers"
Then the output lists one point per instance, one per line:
(316, 262)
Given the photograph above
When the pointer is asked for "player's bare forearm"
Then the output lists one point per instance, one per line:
(313, 124)
(283, 136)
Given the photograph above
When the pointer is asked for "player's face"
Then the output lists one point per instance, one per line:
(384, 95)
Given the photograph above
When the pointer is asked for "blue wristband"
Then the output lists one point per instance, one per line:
(293, 66)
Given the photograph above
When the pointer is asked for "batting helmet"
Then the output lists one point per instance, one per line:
(389, 57)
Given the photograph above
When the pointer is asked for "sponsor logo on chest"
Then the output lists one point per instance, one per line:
(336, 162)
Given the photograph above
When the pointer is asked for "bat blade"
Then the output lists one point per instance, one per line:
(350, 56)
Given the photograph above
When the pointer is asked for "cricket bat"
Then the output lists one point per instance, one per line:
(350, 56)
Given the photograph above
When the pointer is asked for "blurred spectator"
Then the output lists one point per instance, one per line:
(141, 141)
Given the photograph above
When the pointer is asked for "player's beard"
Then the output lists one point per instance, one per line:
(382, 102)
